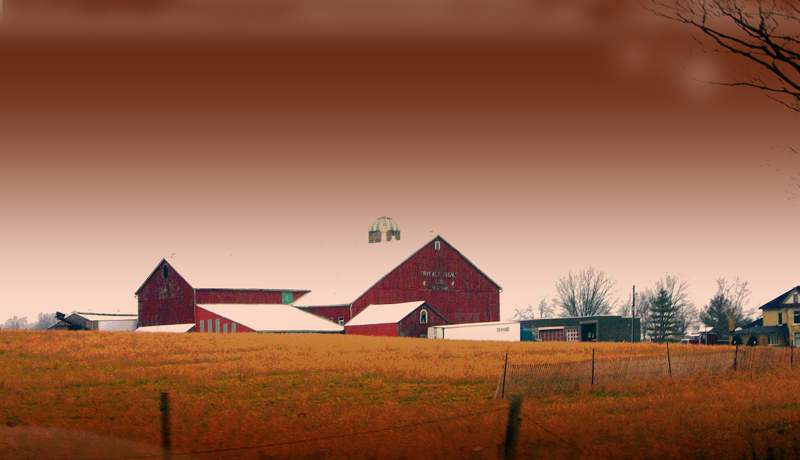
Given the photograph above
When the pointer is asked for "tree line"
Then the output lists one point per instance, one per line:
(44, 321)
(664, 309)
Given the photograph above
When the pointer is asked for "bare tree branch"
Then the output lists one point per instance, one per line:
(763, 32)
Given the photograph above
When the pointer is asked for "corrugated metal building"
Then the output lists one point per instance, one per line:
(95, 321)
(584, 329)
(408, 319)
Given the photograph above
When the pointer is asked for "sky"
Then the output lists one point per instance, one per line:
(537, 137)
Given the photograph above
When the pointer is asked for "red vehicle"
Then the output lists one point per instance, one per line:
(702, 338)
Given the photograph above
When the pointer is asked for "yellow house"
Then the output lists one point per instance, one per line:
(779, 325)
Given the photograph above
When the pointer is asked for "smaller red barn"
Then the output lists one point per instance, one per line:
(408, 319)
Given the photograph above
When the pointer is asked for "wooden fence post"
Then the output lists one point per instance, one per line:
(669, 362)
(592, 369)
(512, 429)
(505, 372)
(735, 357)
(166, 442)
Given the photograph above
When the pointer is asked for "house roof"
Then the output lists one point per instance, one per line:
(168, 328)
(272, 317)
(778, 301)
(366, 266)
(384, 313)
(760, 330)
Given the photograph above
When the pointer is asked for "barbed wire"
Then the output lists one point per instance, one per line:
(308, 440)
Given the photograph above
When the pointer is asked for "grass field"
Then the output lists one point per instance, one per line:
(76, 395)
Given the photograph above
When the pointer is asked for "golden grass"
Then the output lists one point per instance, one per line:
(240, 390)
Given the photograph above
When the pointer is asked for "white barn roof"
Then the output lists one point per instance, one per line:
(384, 313)
(272, 317)
(168, 328)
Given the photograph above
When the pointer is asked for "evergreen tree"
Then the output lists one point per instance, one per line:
(663, 317)
(715, 315)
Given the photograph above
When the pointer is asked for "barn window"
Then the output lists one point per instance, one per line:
(437, 245)
(423, 317)
(165, 272)
(225, 328)
(286, 297)
(216, 325)
(341, 321)
(233, 328)
(202, 324)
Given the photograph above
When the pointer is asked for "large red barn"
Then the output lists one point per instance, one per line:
(394, 272)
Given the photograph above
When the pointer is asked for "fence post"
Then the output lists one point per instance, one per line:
(735, 357)
(505, 372)
(592, 369)
(166, 442)
(512, 429)
(669, 362)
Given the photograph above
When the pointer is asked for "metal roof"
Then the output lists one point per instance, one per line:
(384, 313)
(102, 317)
(168, 328)
(272, 317)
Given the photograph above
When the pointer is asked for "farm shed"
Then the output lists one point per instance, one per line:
(230, 318)
(504, 331)
(403, 271)
(408, 319)
(78, 321)
(608, 328)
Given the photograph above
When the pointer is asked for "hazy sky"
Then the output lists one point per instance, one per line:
(536, 137)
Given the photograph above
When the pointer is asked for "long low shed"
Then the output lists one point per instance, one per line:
(504, 331)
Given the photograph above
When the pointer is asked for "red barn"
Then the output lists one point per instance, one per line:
(166, 297)
(394, 272)
(409, 319)
(390, 272)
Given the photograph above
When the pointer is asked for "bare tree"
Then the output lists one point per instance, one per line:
(590, 293)
(44, 321)
(762, 35)
(522, 314)
(730, 302)
(547, 310)
(16, 322)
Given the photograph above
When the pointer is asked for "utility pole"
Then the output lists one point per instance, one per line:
(633, 313)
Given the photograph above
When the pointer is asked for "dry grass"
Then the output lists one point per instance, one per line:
(230, 391)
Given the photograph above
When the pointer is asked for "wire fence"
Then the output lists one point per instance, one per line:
(591, 374)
